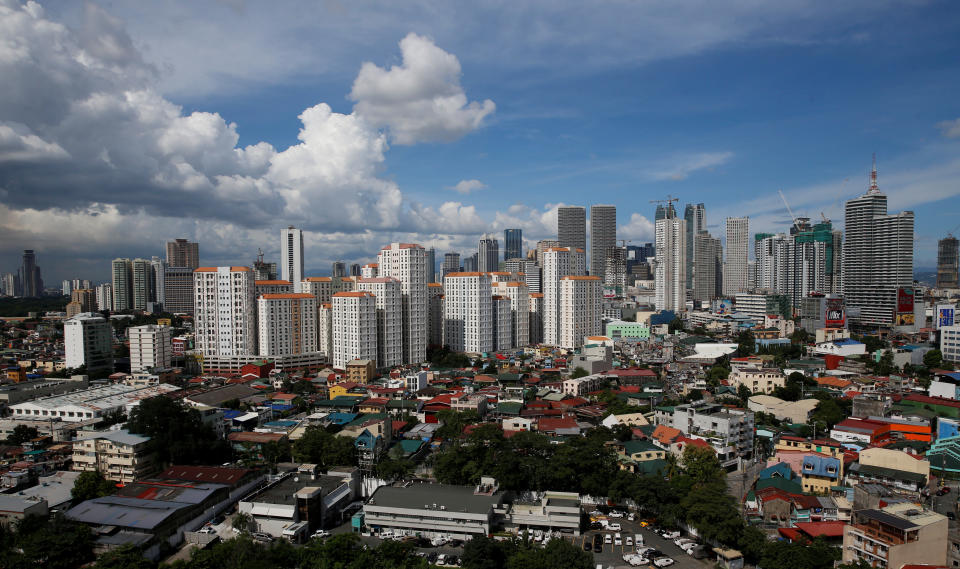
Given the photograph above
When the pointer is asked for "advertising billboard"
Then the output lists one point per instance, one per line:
(904, 300)
(834, 316)
(945, 315)
(905, 319)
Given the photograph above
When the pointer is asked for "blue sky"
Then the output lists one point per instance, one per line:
(125, 128)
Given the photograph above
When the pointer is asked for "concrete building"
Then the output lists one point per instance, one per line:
(729, 431)
(273, 286)
(580, 300)
(291, 256)
(144, 284)
(325, 329)
(707, 277)
(183, 253)
(81, 300)
(151, 346)
(287, 324)
(178, 285)
(790, 411)
(670, 265)
(558, 262)
(488, 254)
(760, 305)
(372, 270)
(354, 327)
(583, 385)
(536, 318)
(431, 256)
(451, 263)
(772, 254)
(320, 287)
(735, 272)
(816, 254)
(696, 218)
(386, 292)
(122, 278)
(895, 536)
(512, 244)
(603, 237)
(225, 311)
(118, 455)
(877, 259)
(502, 322)
(948, 263)
(572, 227)
(757, 379)
(468, 312)
(89, 403)
(105, 296)
(87, 341)
(406, 262)
(518, 294)
(435, 308)
(950, 343)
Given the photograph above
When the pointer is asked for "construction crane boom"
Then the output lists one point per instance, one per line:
(790, 211)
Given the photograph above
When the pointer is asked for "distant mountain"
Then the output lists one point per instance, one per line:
(925, 276)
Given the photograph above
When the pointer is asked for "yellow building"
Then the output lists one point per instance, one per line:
(118, 455)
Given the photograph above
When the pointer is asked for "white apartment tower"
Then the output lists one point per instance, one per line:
(354, 327)
(670, 265)
(773, 254)
(287, 324)
(325, 329)
(122, 278)
(225, 311)
(370, 271)
(386, 291)
(735, 270)
(151, 346)
(580, 301)
(518, 293)
(558, 262)
(291, 256)
(502, 322)
(272, 287)
(320, 287)
(603, 237)
(104, 296)
(468, 312)
(407, 262)
(87, 342)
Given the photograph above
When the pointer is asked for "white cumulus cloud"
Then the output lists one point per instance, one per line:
(467, 186)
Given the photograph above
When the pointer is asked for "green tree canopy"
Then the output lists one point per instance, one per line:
(90, 485)
(318, 446)
(177, 433)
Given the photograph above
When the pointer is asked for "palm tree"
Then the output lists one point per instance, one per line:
(242, 522)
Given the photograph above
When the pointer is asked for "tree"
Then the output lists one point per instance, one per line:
(558, 554)
(22, 434)
(579, 372)
(177, 433)
(124, 557)
(746, 343)
(933, 359)
(701, 465)
(241, 521)
(90, 485)
(675, 325)
(318, 446)
(483, 552)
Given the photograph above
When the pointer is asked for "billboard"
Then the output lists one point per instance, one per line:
(904, 319)
(904, 300)
(834, 316)
(945, 315)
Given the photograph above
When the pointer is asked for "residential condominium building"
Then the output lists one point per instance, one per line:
(151, 346)
(118, 455)
(729, 431)
(144, 283)
(225, 311)
(512, 244)
(183, 253)
(488, 254)
(696, 218)
(178, 290)
(468, 312)
(572, 227)
(580, 300)
(877, 257)
(948, 262)
(287, 324)
(88, 342)
(670, 277)
(603, 237)
(435, 307)
(502, 322)
(757, 379)
(536, 318)
(291, 256)
(325, 329)
(354, 317)
(518, 293)
(707, 267)
(105, 295)
(558, 262)
(122, 278)
(407, 263)
(81, 300)
(386, 291)
(735, 270)
(896, 536)
(273, 286)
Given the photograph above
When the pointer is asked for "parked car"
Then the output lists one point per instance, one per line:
(597, 543)
(262, 537)
(614, 527)
(617, 540)
(628, 541)
(663, 562)
(674, 534)
(681, 540)
(587, 546)
(607, 538)
(321, 533)
(616, 514)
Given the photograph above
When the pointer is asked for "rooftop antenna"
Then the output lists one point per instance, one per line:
(874, 188)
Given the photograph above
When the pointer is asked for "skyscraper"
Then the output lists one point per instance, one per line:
(31, 284)
(488, 254)
(815, 260)
(877, 257)
(431, 265)
(183, 253)
(338, 269)
(291, 256)
(468, 312)
(143, 291)
(603, 236)
(512, 244)
(159, 269)
(407, 263)
(355, 269)
(735, 270)
(707, 267)
(773, 254)
(122, 278)
(451, 263)
(572, 227)
(696, 218)
(225, 311)
(558, 262)
(389, 306)
(287, 324)
(580, 300)
(947, 262)
(670, 268)
(471, 263)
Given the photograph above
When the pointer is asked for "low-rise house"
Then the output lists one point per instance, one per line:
(792, 411)
(757, 379)
(118, 455)
(896, 535)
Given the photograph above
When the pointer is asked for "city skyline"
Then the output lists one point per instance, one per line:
(229, 170)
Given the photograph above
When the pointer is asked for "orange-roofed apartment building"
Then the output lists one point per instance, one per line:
(354, 327)
(272, 287)
(320, 287)
(225, 311)
(407, 262)
(287, 324)
(518, 294)
(386, 291)
(468, 320)
(580, 301)
(558, 262)
(370, 271)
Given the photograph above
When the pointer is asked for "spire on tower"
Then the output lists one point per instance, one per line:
(874, 188)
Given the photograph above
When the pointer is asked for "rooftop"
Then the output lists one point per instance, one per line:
(441, 496)
(283, 492)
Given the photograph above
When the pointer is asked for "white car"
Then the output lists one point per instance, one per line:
(671, 534)
(635, 560)
(681, 540)
(321, 533)
(628, 541)
(614, 527)
(663, 562)
(689, 547)
(617, 540)
(615, 514)
(638, 539)
(607, 539)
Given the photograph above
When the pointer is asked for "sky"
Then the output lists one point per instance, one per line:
(127, 124)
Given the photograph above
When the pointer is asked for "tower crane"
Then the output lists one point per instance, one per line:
(790, 211)
(667, 201)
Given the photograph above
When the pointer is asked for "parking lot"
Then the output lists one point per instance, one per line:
(612, 555)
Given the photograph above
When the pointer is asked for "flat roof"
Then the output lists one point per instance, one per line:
(124, 512)
(283, 492)
(452, 498)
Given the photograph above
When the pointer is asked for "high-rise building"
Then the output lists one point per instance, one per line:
(665, 212)
(603, 237)
(272, 287)
(558, 262)
(8, 285)
(526, 270)
(580, 300)
(615, 269)
(370, 271)
(31, 284)
(65, 288)
(542, 246)
(105, 296)
(291, 256)
(264, 270)
(143, 283)
(431, 256)
(572, 227)
(87, 341)
(406, 262)
(815, 260)
(81, 300)
(338, 269)
(468, 312)
(178, 290)
(287, 324)
(183, 253)
(320, 287)
(355, 270)
(518, 294)
(512, 244)
(773, 255)
(325, 329)
(451, 263)
(877, 258)
(122, 278)
(488, 254)
(471, 263)
(948, 267)
(435, 309)
(536, 317)
(159, 269)
(225, 311)
(151, 346)
(696, 218)
(354, 328)
(389, 305)
(670, 267)
(735, 270)
(707, 267)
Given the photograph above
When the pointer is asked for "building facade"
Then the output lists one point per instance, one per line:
(406, 262)
(354, 317)
(696, 218)
(468, 318)
(518, 293)
(183, 253)
(488, 254)
(87, 341)
(603, 237)
(388, 300)
(121, 274)
(291, 256)
(572, 227)
(580, 300)
(512, 244)
(558, 262)
(287, 324)
(670, 265)
(151, 346)
(735, 269)
(225, 311)
(948, 262)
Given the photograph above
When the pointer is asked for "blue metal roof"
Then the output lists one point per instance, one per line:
(821, 466)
